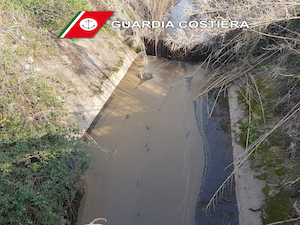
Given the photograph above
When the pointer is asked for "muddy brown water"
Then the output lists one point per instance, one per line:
(151, 170)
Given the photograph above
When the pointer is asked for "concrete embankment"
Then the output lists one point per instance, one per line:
(87, 71)
(90, 69)
(101, 66)
(248, 188)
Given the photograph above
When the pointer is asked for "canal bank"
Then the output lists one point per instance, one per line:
(248, 188)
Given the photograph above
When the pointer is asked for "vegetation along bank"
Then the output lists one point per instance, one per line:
(45, 83)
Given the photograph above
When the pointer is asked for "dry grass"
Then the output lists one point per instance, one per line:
(249, 150)
(258, 15)
(139, 10)
(273, 39)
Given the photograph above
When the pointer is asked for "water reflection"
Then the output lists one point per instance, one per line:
(218, 158)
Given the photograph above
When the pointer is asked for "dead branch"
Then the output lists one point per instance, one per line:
(284, 221)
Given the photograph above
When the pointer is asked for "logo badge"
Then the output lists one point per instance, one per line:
(85, 24)
(88, 24)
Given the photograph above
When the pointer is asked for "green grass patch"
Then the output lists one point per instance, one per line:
(278, 207)
(270, 156)
(53, 15)
(280, 138)
(40, 163)
(266, 190)
(32, 108)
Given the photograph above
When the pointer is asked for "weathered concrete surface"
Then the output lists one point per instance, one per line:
(91, 68)
(248, 188)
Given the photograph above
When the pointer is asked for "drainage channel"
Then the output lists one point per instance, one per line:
(162, 162)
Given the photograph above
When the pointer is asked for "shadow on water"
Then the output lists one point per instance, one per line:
(218, 156)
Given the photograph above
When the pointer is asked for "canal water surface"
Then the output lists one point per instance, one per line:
(156, 152)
